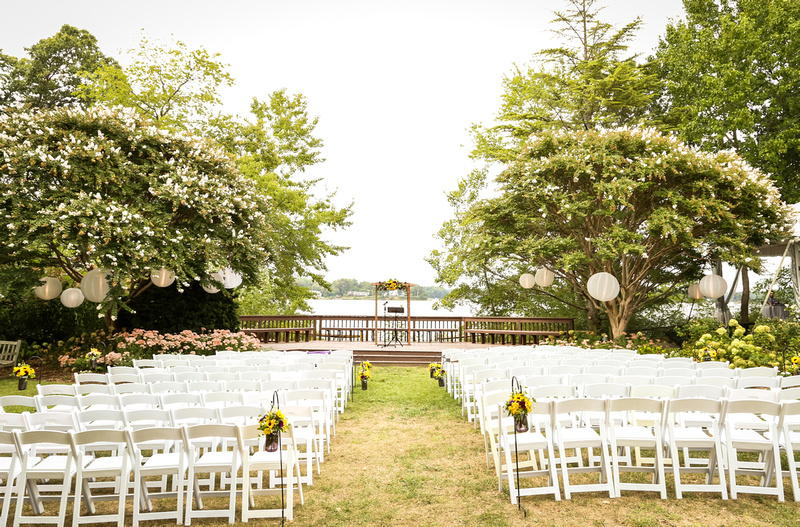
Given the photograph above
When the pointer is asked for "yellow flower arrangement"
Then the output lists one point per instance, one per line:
(23, 370)
(518, 405)
(364, 374)
(367, 365)
(272, 422)
(438, 373)
(93, 354)
(391, 285)
(795, 360)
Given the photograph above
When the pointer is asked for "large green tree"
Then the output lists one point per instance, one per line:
(274, 145)
(102, 189)
(54, 69)
(634, 203)
(589, 81)
(731, 79)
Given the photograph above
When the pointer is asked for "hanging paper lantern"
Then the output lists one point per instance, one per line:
(544, 277)
(713, 286)
(527, 280)
(162, 277)
(230, 278)
(694, 292)
(50, 288)
(211, 288)
(603, 286)
(94, 285)
(72, 297)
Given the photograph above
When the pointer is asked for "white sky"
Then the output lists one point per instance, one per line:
(396, 86)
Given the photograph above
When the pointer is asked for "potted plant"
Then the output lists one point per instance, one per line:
(23, 372)
(439, 374)
(365, 376)
(518, 406)
(271, 424)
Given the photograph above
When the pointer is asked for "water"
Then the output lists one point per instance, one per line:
(419, 308)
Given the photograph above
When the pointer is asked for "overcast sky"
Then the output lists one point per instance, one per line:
(396, 86)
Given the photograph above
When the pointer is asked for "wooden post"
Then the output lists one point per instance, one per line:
(376, 314)
(408, 311)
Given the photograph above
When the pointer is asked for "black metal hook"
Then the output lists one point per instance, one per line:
(516, 388)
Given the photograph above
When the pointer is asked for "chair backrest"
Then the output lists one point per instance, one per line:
(180, 400)
(636, 405)
(726, 382)
(55, 389)
(240, 414)
(737, 394)
(709, 391)
(759, 371)
(554, 391)
(58, 402)
(128, 370)
(671, 380)
(758, 382)
(97, 400)
(717, 372)
(193, 415)
(769, 409)
(605, 390)
(147, 418)
(91, 378)
(131, 388)
(62, 421)
(221, 399)
(165, 387)
(139, 401)
(100, 419)
(9, 352)
(26, 401)
(791, 381)
(790, 394)
(204, 386)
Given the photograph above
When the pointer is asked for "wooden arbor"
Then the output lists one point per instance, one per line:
(393, 285)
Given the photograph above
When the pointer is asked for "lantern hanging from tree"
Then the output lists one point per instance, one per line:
(527, 280)
(72, 297)
(603, 286)
(694, 292)
(94, 285)
(713, 286)
(211, 288)
(162, 277)
(544, 277)
(50, 288)
(230, 278)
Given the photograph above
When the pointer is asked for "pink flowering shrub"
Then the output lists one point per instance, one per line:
(119, 349)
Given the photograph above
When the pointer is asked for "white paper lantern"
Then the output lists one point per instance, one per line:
(211, 288)
(94, 285)
(694, 292)
(230, 278)
(162, 277)
(72, 297)
(527, 280)
(713, 286)
(544, 277)
(603, 286)
(50, 288)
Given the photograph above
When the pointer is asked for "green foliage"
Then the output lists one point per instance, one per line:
(637, 204)
(50, 76)
(773, 343)
(171, 84)
(590, 339)
(169, 310)
(103, 189)
(730, 75)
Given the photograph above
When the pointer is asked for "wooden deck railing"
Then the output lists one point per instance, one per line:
(497, 330)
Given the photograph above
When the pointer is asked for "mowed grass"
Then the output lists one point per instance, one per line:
(403, 455)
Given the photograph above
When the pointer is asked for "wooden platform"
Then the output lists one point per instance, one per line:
(414, 355)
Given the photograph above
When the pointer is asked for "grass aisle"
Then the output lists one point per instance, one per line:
(403, 455)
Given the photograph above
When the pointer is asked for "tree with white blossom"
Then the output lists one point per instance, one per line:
(107, 189)
(634, 203)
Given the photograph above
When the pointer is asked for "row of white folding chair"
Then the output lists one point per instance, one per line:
(772, 433)
(73, 455)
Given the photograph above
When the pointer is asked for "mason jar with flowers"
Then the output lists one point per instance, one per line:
(92, 356)
(23, 372)
(364, 375)
(271, 424)
(439, 375)
(432, 367)
(518, 406)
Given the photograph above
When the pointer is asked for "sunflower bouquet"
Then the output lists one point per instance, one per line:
(24, 370)
(391, 285)
(94, 353)
(364, 374)
(518, 406)
(273, 422)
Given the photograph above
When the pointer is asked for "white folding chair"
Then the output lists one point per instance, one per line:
(582, 436)
(226, 459)
(10, 468)
(56, 403)
(58, 465)
(221, 399)
(744, 435)
(100, 454)
(535, 441)
(634, 434)
(790, 442)
(284, 461)
(163, 462)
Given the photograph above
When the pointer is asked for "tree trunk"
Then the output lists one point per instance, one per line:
(745, 296)
(593, 317)
(723, 313)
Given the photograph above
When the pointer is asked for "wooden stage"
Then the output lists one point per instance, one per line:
(416, 354)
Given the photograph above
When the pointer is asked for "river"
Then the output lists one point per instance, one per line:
(419, 308)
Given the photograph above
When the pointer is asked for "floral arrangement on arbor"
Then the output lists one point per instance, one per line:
(24, 370)
(390, 285)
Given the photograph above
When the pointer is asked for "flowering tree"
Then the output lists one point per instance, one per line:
(634, 203)
(106, 189)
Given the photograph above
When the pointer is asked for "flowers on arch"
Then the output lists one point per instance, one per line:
(24, 370)
(273, 422)
(518, 405)
(391, 284)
